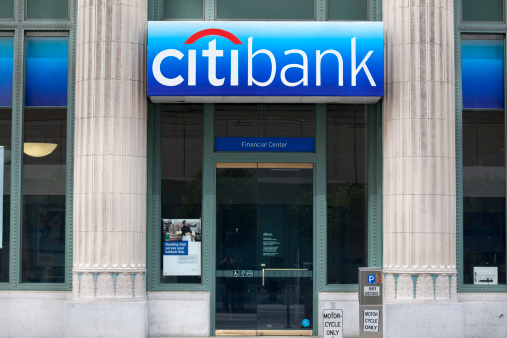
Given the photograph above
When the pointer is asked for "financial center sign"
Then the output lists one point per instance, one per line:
(265, 61)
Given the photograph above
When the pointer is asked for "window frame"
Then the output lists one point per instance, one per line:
(20, 29)
(155, 11)
(210, 157)
(315, 15)
(498, 28)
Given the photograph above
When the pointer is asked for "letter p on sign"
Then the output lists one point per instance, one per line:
(371, 279)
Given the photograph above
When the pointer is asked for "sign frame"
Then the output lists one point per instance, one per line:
(265, 61)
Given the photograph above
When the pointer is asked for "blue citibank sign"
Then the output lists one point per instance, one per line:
(201, 61)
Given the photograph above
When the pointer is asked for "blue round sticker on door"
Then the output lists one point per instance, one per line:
(305, 322)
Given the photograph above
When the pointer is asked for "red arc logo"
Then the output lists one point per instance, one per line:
(213, 31)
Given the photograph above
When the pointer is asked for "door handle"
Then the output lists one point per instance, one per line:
(279, 270)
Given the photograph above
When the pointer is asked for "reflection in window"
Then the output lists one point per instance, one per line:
(183, 9)
(347, 211)
(266, 9)
(5, 185)
(47, 9)
(181, 191)
(6, 55)
(483, 193)
(44, 188)
(45, 160)
(264, 120)
(483, 158)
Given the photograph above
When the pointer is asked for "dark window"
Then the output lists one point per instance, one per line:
(47, 9)
(5, 197)
(6, 9)
(44, 189)
(265, 9)
(183, 9)
(265, 120)
(347, 188)
(43, 236)
(6, 63)
(347, 10)
(483, 159)
(181, 189)
(483, 193)
(482, 10)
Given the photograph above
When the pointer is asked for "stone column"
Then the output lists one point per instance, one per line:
(419, 184)
(110, 180)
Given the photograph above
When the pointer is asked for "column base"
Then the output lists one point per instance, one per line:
(106, 319)
(415, 287)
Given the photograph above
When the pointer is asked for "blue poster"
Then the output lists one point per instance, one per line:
(175, 248)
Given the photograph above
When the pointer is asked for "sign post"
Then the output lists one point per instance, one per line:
(370, 302)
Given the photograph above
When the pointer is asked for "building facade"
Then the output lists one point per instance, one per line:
(130, 213)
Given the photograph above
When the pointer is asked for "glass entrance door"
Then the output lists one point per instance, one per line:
(264, 248)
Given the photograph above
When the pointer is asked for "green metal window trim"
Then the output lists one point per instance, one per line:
(155, 10)
(20, 28)
(154, 209)
(315, 15)
(460, 14)
(459, 29)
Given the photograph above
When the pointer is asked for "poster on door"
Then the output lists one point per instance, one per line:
(271, 237)
(181, 247)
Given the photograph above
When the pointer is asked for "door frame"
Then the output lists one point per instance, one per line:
(267, 165)
(317, 159)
